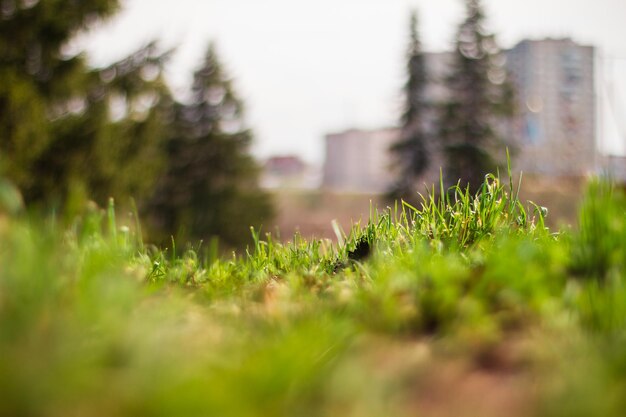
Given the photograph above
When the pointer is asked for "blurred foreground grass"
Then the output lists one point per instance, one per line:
(465, 306)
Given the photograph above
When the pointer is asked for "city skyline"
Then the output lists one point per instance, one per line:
(311, 68)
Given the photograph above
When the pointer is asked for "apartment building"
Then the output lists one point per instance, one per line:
(359, 160)
(555, 127)
(553, 131)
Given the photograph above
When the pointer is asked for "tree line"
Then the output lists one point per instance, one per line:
(461, 133)
(70, 132)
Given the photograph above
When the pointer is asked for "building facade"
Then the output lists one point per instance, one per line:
(359, 160)
(555, 127)
(552, 134)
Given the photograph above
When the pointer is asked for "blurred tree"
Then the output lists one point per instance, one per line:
(479, 99)
(68, 129)
(412, 153)
(210, 188)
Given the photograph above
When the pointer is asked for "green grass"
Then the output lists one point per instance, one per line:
(95, 323)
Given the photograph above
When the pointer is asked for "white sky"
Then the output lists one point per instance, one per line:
(308, 67)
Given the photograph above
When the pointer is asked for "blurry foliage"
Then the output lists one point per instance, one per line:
(59, 135)
(413, 152)
(70, 133)
(467, 124)
(11, 201)
(93, 322)
(599, 244)
(479, 98)
(210, 186)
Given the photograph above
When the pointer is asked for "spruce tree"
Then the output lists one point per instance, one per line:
(411, 152)
(479, 99)
(210, 188)
(57, 133)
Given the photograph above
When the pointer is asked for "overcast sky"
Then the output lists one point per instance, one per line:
(308, 67)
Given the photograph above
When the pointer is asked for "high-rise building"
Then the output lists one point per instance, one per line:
(555, 127)
(553, 132)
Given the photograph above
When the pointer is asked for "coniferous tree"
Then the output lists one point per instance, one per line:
(479, 99)
(210, 188)
(57, 130)
(412, 153)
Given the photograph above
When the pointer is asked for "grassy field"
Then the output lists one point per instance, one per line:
(464, 307)
(311, 212)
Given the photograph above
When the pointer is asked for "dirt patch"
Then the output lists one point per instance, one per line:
(430, 383)
(456, 389)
